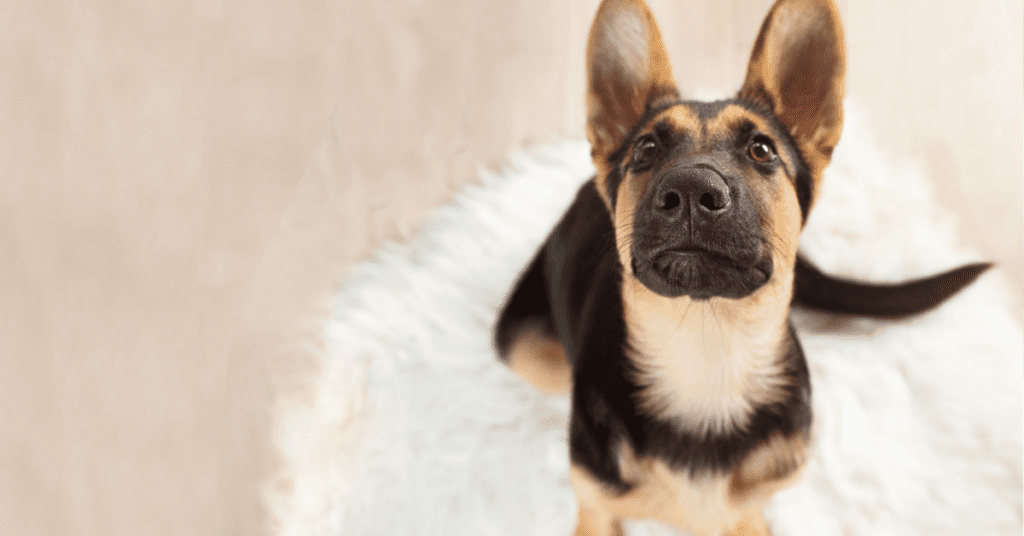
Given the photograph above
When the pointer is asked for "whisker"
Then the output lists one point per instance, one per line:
(718, 322)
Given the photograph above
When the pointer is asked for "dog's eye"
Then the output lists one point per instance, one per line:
(644, 153)
(761, 151)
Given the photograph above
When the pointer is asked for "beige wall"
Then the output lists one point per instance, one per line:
(183, 182)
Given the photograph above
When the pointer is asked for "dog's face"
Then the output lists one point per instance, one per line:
(708, 199)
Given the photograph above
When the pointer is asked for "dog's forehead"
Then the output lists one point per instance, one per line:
(692, 127)
(711, 121)
(695, 127)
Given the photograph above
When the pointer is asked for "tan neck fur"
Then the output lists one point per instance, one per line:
(707, 364)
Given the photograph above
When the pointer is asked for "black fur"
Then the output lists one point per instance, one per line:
(529, 303)
(698, 229)
(583, 298)
(801, 175)
(571, 289)
(673, 225)
(617, 157)
(817, 290)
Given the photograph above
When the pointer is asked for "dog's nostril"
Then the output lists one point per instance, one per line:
(708, 201)
(670, 201)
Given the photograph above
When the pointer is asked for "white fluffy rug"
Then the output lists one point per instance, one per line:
(412, 427)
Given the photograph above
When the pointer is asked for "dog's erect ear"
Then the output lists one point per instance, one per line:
(627, 71)
(797, 69)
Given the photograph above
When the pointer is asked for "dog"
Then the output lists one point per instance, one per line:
(661, 299)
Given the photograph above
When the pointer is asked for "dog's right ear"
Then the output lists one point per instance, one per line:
(627, 72)
(797, 69)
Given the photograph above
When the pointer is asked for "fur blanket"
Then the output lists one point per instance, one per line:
(410, 425)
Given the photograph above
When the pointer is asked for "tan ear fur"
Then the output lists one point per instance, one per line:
(797, 68)
(627, 71)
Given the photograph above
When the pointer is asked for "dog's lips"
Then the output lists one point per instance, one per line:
(690, 252)
(673, 260)
(698, 255)
(701, 273)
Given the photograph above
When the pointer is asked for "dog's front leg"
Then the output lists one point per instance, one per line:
(751, 524)
(597, 515)
(593, 520)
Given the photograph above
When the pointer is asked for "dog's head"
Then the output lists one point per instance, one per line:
(708, 199)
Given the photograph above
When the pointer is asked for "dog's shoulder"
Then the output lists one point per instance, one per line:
(583, 276)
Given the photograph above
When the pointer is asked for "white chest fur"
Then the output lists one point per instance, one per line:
(706, 364)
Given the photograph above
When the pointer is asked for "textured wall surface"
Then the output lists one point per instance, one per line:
(183, 182)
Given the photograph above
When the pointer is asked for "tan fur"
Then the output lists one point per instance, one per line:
(541, 360)
(627, 70)
(706, 365)
(779, 208)
(629, 193)
(723, 505)
(782, 72)
(769, 468)
(723, 124)
(752, 524)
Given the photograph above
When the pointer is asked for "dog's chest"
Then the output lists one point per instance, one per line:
(702, 366)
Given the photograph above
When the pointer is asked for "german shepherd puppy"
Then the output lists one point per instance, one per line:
(661, 299)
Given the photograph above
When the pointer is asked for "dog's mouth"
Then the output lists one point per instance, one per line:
(703, 273)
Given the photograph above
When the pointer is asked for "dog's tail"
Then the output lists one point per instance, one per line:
(817, 290)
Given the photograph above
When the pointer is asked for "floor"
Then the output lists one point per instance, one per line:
(184, 183)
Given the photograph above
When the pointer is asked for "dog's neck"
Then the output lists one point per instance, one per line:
(707, 365)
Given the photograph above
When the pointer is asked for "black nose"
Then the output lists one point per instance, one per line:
(699, 191)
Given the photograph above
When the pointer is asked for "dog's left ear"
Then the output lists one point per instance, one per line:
(797, 69)
(627, 72)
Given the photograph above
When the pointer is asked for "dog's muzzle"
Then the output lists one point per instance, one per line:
(696, 233)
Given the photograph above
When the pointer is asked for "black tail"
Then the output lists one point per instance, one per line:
(818, 290)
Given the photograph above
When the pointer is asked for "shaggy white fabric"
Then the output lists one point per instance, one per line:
(412, 427)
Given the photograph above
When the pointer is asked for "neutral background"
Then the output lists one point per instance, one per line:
(183, 183)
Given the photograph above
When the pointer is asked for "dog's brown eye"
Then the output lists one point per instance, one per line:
(644, 153)
(761, 152)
